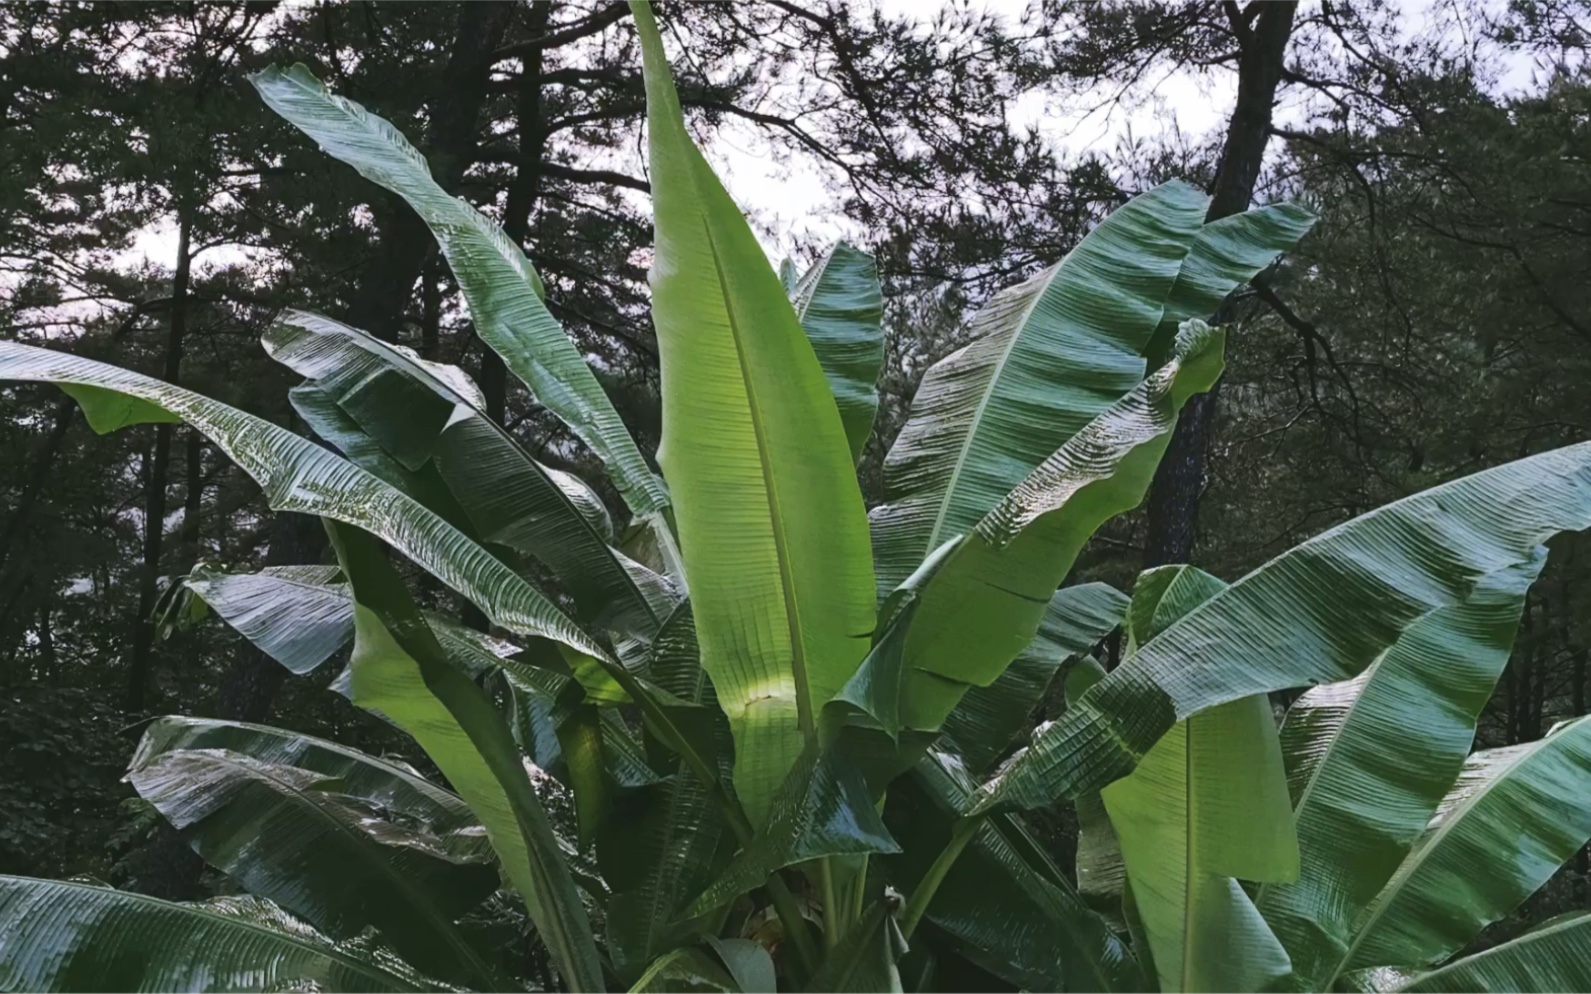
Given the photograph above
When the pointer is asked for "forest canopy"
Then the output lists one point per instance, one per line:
(548, 494)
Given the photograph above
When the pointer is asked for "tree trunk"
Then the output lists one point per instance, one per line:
(1179, 482)
(139, 671)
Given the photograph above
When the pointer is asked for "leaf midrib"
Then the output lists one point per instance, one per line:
(983, 402)
(792, 610)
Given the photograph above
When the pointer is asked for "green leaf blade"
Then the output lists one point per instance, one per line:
(771, 522)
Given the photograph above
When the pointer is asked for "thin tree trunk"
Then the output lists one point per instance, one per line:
(155, 503)
(192, 504)
(1179, 483)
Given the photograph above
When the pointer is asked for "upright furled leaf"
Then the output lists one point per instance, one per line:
(291, 836)
(842, 309)
(1319, 613)
(426, 413)
(771, 523)
(400, 670)
(1514, 816)
(298, 475)
(500, 285)
(1207, 806)
(1369, 760)
(987, 599)
(1047, 357)
(57, 935)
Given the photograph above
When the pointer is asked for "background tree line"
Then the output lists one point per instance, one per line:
(154, 214)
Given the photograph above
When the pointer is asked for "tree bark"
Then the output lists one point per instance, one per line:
(1179, 482)
(142, 664)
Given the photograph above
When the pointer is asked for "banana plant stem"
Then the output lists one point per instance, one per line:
(917, 906)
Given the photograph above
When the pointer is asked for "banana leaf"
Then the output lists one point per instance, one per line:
(1003, 904)
(292, 837)
(989, 719)
(841, 309)
(983, 605)
(1514, 816)
(1553, 956)
(502, 289)
(297, 615)
(1226, 254)
(1047, 357)
(1319, 613)
(388, 783)
(1207, 806)
(772, 529)
(298, 475)
(1370, 759)
(427, 413)
(400, 669)
(58, 935)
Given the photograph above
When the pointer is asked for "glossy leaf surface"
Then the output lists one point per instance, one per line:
(57, 935)
(1047, 357)
(984, 604)
(1319, 613)
(842, 309)
(1370, 759)
(291, 836)
(1514, 816)
(500, 285)
(771, 523)
(298, 475)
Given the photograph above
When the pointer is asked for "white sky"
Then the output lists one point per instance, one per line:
(786, 194)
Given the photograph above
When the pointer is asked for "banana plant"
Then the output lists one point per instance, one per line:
(794, 737)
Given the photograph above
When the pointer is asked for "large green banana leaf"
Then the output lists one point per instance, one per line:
(297, 615)
(423, 412)
(499, 283)
(401, 670)
(1047, 357)
(772, 528)
(1208, 805)
(1370, 759)
(58, 935)
(291, 836)
(1553, 956)
(1101, 877)
(1003, 903)
(298, 475)
(1226, 254)
(842, 309)
(389, 784)
(989, 719)
(1514, 816)
(983, 605)
(1319, 613)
